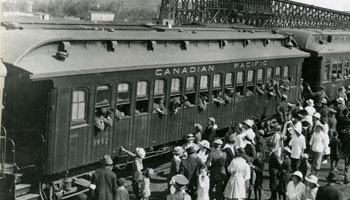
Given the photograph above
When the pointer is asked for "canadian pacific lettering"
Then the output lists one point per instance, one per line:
(184, 70)
(258, 63)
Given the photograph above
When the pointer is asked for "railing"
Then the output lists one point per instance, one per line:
(3, 141)
(258, 13)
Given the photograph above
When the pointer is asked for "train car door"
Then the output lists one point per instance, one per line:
(203, 101)
(103, 122)
(189, 111)
(142, 115)
(239, 97)
(122, 119)
(250, 109)
(217, 100)
(175, 110)
(159, 114)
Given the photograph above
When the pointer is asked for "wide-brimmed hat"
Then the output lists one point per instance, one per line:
(212, 119)
(324, 101)
(205, 144)
(190, 137)
(191, 150)
(249, 122)
(198, 127)
(312, 179)
(298, 174)
(310, 102)
(218, 141)
(341, 100)
(180, 179)
(332, 177)
(106, 160)
(317, 115)
(140, 152)
(178, 150)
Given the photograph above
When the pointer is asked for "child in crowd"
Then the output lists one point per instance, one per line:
(122, 192)
(335, 146)
(203, 184)
(258, 166)
(145, 189)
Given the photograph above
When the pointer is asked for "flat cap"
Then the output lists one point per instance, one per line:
(180, 179)
(218, 141)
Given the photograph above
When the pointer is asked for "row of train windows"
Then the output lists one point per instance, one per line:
(123, 99)
(336, 71)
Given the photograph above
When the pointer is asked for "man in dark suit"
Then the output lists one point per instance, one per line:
(190, 168)
(210, 131)
(217, 170)
(328, 191)
(104, 181)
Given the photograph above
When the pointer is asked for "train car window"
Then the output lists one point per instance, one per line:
(285, 71)
(327, 70)
(103, 96)
(159, 87)
(79, 105)
(346, 70)
(204, 92)
(260, 76)
(175, 95)
(278, 72)
(142, 98)
(159, 97)
(239, 84)
(217, 94)
(175, 86)
(250, 83)
(123, 101)
(229, 91)
(191, 90)
(337, 71)
(269, 73)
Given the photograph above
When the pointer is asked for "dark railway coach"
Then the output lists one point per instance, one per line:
(152, 86)
(329, 63)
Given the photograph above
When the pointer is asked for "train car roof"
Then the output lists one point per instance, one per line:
(321, 42)
(19, 47)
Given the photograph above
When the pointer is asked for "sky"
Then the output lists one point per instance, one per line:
(341, 5)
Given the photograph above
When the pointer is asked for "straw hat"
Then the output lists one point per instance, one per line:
(218, 141)
(190, 137)
(205, 144)
(140, 152)
(310, 102)
(317, 115)
(298, 174)
(249, 122)
(312, 179)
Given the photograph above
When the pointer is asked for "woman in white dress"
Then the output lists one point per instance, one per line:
(240, 174)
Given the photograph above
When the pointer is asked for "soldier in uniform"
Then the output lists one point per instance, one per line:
(180, 183)
(210, 132)
(283, 109)
(217, 170)
(104, 181)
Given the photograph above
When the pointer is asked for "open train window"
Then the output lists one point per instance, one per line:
(159, 96)
(337, 71)
(204, 89)
(229, 91)
(278, 73)
(269, 73)
(142, 98)
(191, 89)
(217, 94)
(326, 72)
(250, 83)
(103, 96)
(260, 76)
(123, 101)
(79, 102)
(240, 84)
(175, 95)
(286, 73)
(346, 70)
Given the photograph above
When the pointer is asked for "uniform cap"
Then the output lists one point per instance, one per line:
(298, 174)
(205, 144)
(140, 152)
(180, 179)
(218, 141)
(106, 160)
(190, 137)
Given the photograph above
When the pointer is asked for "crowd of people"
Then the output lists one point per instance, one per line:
(304, 137)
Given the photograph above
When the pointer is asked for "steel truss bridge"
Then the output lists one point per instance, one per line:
(258, 13)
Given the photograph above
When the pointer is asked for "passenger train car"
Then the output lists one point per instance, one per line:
(60, 81)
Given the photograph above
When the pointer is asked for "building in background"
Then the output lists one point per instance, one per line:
(101, 16)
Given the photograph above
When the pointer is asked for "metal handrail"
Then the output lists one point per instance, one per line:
(13, 153)
(3, 152)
